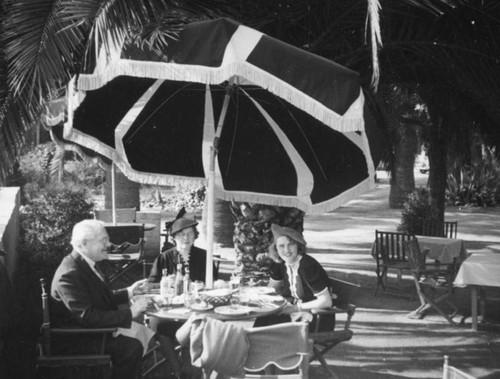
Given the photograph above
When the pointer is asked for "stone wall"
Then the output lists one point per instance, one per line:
(9, 227)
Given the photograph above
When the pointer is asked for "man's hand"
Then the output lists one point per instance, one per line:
(138, 288)
(139, 306)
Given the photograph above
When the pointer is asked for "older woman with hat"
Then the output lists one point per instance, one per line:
(184, 233)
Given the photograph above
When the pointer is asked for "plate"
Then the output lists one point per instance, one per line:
(265, 290)
(219, 292)
(264, 308)
(271, 298)
(178, 300)
(201, 307)
(228, 310)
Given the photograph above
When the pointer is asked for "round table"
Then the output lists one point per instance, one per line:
(181, 313)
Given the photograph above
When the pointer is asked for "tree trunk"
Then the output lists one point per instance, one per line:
(223, 222)
(252, 234)
(402, 177)
(127, 192)
(438, 152)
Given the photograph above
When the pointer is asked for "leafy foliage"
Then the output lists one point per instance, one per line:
(47, 222)
(415, 209)
(478, 185)
(252, 235)
(34, 171)
(192, 200)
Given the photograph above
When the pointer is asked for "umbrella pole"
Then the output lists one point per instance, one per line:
(209, 277)
(113, 198)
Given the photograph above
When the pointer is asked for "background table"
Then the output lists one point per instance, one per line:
(441, 249)
(480, 269)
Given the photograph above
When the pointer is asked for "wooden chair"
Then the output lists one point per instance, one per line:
(450, 372)
(433, 282)
(47, 362)
(122, 215)
(390, 254)
(343, 302)
(98, 363)
(435, 228)
(126, 249)
(276, 350)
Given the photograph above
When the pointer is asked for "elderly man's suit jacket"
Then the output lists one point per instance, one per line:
(80, 297)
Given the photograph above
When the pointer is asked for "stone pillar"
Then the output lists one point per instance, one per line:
(9, 227)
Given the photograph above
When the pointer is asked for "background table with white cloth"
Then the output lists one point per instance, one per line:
(444, 250)
(480, 269)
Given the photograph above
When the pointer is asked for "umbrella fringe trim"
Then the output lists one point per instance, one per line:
(283, 201)
(352, 120)
(154, 179)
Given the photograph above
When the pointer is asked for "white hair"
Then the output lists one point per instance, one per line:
(85, 230)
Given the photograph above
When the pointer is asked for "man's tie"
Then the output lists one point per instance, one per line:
(102, 268)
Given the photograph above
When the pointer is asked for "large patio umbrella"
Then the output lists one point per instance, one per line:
(251, 117)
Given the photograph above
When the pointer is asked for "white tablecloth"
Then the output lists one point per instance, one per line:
(444, 250)
(481, 269)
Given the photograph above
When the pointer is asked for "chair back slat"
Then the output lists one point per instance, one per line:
(119, 234)
(390, 246)
(434, 228)
(44, 343)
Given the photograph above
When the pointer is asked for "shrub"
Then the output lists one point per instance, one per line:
(415, 209)
(192, 200)
(33, 171)
(47, 222)
(479, 184)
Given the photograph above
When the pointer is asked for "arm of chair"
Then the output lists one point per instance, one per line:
(120, 249)
(349, 309)
(82, 330)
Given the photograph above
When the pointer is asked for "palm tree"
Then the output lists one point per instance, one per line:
(44, 43)
(453, 58)
(431, 42)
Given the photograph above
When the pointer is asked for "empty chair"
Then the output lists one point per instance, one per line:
(450, 372)
(233, 351)
(126, 249)
(434, 228)
(390, 254)
(276, 349)
(433, 282)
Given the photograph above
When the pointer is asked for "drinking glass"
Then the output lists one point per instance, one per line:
(243, 294)
(235, 282)
(235, 302)
(188, 299)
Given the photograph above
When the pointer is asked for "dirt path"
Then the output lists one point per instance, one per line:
(386, 343)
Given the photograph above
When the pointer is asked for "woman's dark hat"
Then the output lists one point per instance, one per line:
(279, 231)
(182, 223)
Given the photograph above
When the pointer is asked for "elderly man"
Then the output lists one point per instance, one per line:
(79, 296)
